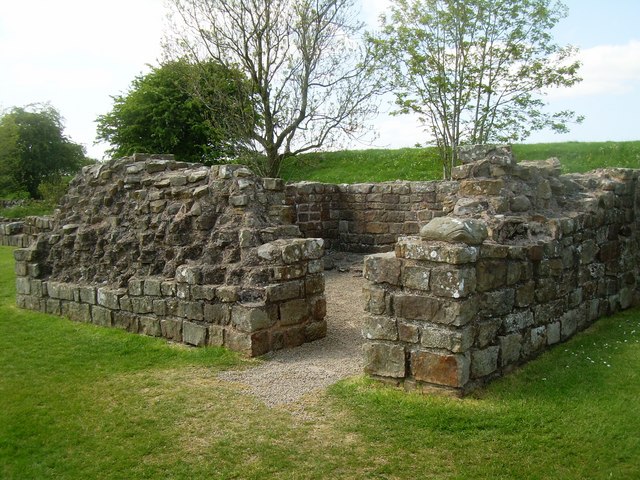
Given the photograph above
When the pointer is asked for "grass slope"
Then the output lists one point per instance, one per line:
(78, 402)
(423, 163)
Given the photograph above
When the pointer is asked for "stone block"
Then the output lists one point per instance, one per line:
(382, 268)
(293, 336)
(486, 332)
(498, 302)
(149, 326)
(510, 349)
(194, 334)
(379, 327)
(227, 293)
(189, 274)
(101, 316)
(435, 310)
(484, 362)
(135, 287)
(537, 340)
(251, 317)
(125, 321)
(457, 340)
(408, 332)
(553, 333)
(416, 277)
(315, 330)
(110, 298)
(516, 322)
(23, 285)
(568, 324)
(171, 329)
(141, 304)
(153, 287)
(53, 306)
(453, 282)
(440, 369)
(449, 229)
(491, 275)
(215, 336)
(79, 312)
(217, 313)
(314, 284)
(294, 311)
(289, 272)
(88, 294)
(525, 294)
(376, 300)
(384, 360)
(414, 248)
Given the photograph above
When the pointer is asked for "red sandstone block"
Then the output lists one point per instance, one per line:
(451, 370)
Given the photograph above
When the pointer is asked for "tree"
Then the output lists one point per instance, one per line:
(310, 77)
(33, 148)
(197, 112)
(476, 70)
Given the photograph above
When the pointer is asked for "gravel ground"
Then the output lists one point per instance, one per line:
(288, 375)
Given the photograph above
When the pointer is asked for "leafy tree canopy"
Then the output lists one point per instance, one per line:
(34, 149)
(476, 70)
(197, 112)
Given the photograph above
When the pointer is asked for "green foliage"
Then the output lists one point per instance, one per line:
(199, 113)
(29, 208)
(34, 149)
(475, 70)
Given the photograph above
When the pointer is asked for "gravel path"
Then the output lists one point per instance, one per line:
(290, 374)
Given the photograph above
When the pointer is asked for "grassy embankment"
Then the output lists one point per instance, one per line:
(79, 401)
(424, 164)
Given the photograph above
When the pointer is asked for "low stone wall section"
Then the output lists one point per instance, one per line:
(204, 256)
(449, 311)
(368, 217)
(21, 233)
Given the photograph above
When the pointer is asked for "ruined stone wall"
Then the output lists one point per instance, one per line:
(368, 217)
(204, 256)
(530, 258)
(20, 233)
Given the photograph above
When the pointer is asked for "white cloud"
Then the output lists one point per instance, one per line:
(606, 70)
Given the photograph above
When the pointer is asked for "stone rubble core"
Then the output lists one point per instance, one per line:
(195, 254)
(560, 252)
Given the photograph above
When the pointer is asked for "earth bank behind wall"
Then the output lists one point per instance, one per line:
(195, 254)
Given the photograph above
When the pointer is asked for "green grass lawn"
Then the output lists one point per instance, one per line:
(423, 163)
(83, 402)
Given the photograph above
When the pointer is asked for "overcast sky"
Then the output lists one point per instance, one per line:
(75, 54)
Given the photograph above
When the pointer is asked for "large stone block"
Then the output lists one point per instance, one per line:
(491, 274)
(294, 311)
(382, 268)
(251, 317)
(435, 310)
(451, 370)
(385, 360)
(414, 248)
(379, 327)
(101, 316)
(457, 340)
(150, 326)
(194, 334)
(449, 229)
(484, 362)
(510, 349)
(416, 277)
(453, 282)
(171, 329)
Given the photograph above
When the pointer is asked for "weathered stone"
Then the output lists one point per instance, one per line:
(408, 332)
(110, 298)
(517, 321)
(435, 310)
(447, 229)
(379, 327)
(455, 340)
(453, 282)
(384, 359)
(150, 326)
(510, 349)
(382, 268)
(553, 333)
(486, 331)
(484, 362)
(414, 248)
(250, 317)
(376, 300)
(416, 277)
(294, 311)
(491, 275)
(440, 369)
(194, 334)
(101, 316)
(171, 329)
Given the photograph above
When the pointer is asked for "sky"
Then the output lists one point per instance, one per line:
(76, 54)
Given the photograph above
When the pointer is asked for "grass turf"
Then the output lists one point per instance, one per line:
(79, 401)
(376, 165)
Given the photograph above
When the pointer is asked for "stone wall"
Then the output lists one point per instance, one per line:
(529, 258)
(368, 217)
(20, 233)
(204, 256)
